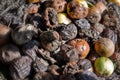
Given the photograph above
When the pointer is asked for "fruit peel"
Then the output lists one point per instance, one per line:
(103, 66)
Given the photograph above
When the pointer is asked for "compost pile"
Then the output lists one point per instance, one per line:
(59, 40)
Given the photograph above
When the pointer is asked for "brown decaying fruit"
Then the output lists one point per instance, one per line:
(69, 54)
(104, 47)
(59, 5)
(8, 53)
(77, 9)
(23, 33)
(101, 7)
(32, 9)
(34, 1)
(115, 1)
(4, 34)
(95, 12)
(116, 60)
(50, 17)
(94, 15)
(50, 40)
(81, 46)
(43, 76)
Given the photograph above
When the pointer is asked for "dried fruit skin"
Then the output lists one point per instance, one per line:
(40, 65)
(82, 47)
(55, 39)
(68, 32)
(50, 40)
(23, 34)
(46, 55)
(99, 27)
(116, 60)
(43, 76)
(115, 1)
(20, 68)
(54, 69)
(90, 33)
(77, 9)
(104, 47)
(32, 9)
(94, 15)
(108, 33)
(34, 1)
(68, 53)
(9, 52)
(29, 49)
(4, 34)
(71, 69)
(85, 64)
(82, 23)
(110, 18)
(87, 75)
(50, 17)
(67, 77)
(95, 12)
(59, 5)
(101, 7)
